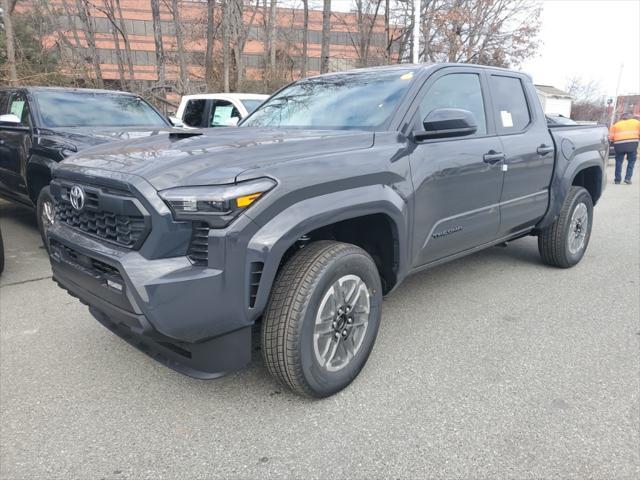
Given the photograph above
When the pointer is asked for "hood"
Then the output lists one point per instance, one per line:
(85, 137)
(214, 156)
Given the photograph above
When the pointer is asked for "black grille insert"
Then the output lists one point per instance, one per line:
(199, 247)
(89, 265)
(254, 281)
(109, 216)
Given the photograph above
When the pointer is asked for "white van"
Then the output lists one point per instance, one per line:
(208, 110)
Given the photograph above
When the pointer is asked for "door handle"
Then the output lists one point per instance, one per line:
(544, 149)
(492, 157)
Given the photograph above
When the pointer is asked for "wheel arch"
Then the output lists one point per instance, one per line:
(590, 178)
(38, 176)
(377, 209)
(589, 174)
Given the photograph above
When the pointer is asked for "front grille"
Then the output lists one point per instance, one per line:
(199, 246)
(121, 229)
(107, 215)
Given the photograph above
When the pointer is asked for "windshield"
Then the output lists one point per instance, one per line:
(251, 104)
(92, 109)
(354, 100)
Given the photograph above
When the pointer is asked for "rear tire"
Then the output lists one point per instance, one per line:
(45, 213)
(307, 344)
(564, 242)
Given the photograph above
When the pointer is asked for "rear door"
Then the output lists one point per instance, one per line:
(529, 152)
(15, 146)
(457, 181)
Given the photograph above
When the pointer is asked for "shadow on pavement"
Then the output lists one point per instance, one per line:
(19, 213)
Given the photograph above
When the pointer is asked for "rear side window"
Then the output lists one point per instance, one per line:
(510, 104)
(221, 113)
(194, 113)
(457, 90)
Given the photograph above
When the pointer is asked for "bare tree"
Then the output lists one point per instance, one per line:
(211, 30)
(589, 103)
(273, 31)
(63, 40)
(360, 34)
(326, 36)
(494, 32)
(174, 8)
(113, 12)
(7, 8)
(127, 45)
(157, 37)
(304, 64)
(239, 35)
(84, 13)
(226, 38)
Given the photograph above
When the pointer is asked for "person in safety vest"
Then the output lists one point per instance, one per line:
(625, 134)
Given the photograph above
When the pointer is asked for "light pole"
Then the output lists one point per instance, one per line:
(615, 99)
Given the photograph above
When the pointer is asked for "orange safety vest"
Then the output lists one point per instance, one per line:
(625, 131)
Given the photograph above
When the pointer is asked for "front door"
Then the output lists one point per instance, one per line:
(15, 145)
(457, 181)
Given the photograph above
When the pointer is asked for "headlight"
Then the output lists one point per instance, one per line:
(217, 205)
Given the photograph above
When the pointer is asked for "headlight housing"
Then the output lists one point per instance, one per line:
(218, 205)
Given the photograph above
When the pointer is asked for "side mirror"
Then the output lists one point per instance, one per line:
(176, 122)
(10, 120)
(446, 123)
(232, 122)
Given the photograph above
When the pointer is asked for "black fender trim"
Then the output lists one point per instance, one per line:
(271, 241)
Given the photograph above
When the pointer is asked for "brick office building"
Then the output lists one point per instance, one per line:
(138, 24)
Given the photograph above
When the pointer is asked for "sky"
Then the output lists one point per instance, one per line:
(589, 39)
(581, 38)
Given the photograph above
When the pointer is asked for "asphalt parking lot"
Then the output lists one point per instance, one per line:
(490, 366)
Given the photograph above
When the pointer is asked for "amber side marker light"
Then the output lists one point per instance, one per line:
(247, 200)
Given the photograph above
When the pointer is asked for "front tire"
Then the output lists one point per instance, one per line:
(45, 213)
(322, 318)
(564, 242)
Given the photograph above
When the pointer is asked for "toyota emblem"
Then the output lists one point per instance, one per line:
(76, 195)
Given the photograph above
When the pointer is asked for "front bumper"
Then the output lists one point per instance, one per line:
(184, 316)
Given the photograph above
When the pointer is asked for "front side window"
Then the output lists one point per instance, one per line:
(353, 100)
(510, 104)
(18, 107)
(457, 90)
(95, 109)
(194, 112)
(222, 111)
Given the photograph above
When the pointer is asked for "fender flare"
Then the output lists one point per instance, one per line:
(42, 167)
(269, 244)
(560, 187)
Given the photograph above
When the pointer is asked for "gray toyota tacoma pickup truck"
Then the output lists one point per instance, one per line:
(321, 202)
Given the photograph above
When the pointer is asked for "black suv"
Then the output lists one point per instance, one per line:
(39, 126)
